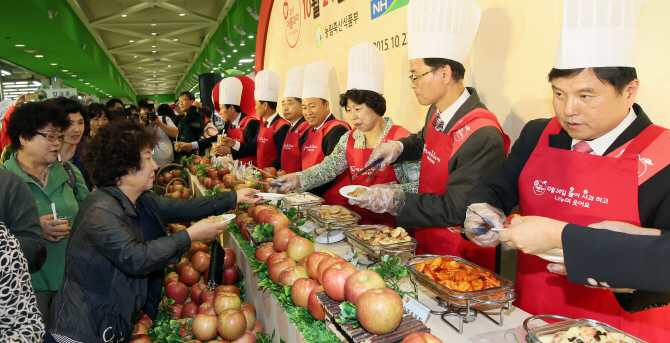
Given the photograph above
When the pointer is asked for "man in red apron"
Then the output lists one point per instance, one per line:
(273, 127)
(293, 112)
(600, 159)
(242, 130)
(460, 142)
(325, 131)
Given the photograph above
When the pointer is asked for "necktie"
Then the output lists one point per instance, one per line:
(439, 123)
(582, 146)
(232, 126)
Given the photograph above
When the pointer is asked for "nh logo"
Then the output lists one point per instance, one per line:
(381, 7)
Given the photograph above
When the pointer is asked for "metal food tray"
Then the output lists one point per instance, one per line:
(534, 334)
(329, 225)
(301, 207)
(459, 299)
(379, 250)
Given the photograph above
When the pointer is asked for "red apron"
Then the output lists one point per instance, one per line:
(312, 149)
(267, 150)
(290, 154)
(583, 189)
(238, 135)
(356, 159)
(437, 150)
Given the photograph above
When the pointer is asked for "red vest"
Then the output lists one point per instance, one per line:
(238, 135)
(438, 148)
(290, 154)
(312, 149)
(583, 189)
(267, 150)
(356, 159)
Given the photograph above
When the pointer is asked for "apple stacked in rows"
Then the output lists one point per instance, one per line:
(177, 190)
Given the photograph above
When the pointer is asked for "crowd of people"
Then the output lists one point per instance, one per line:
(592, 180)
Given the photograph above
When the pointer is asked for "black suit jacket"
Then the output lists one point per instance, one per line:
(483, 150)
(328, 144)
(500, 189)
(279, 138)
(250, 135)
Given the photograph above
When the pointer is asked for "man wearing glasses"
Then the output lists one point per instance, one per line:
(191, 125)
(460, 142)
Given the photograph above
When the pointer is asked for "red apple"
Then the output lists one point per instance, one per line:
(263, 214)
(301, 289)
(421, 337)
(204, 326)
(142, 338)
(247, 337)
(281, 172)
(313, 262)
(288, 276)
(231, 324)
(315, 308)
(226, 300)
(279, 266)
(177, 310)
(197, 246)
(231, 275)
(265, 251)
(229, 180)
(190, 309)
(245, 232)
(177, 188)
(250, 313)
(250, 208)
(226, 288)
(222, 172)
(189, 275)
(361, 281)
(177, 173)
(211, 172)
(270, 170)
(379, 310)
(303, 262)
(177, 291)
(205, 160)
(200, 261)
(186, 193)
(206, 182)
(176, 195)
(258, 208)
(281, 239)
(229, 258)
(278, 220)
(196, 289)
(178, 228)
(238, 219)
(167, 176)
(161, 181)
(215, 183)
(207, 307)
(275, 256)
(258, 327)
(299, 248)
(170, 278)
(325, 263)
(334, 278)
(140, 328)
(206, 295)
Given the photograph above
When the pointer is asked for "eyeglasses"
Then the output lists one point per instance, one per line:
(51, 137)
(415, 79)
(183, 101)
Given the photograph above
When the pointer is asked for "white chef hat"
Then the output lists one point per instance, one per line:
(267, 86)
(598, 33)
(366, 68)
(442, 28)
(294, 80)
(230, 91)
(316, 81)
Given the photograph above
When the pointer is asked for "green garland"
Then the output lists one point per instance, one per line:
(311, 329)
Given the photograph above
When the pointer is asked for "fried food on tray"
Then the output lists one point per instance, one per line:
(586, 334)
(334, 213)
(383, 236)
(457, 276)
(297, 199)
(357, 192)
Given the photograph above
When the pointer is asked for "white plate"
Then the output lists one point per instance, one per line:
(348, 189)
(335, 236)
(553, 255)
(271, 196)
(227, 218)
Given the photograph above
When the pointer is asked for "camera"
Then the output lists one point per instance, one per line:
(152, 116)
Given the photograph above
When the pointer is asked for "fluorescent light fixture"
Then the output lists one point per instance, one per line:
(241, 42)
(229, 56)
(87, 83)
(234, 50)
(154, 51)
(252, 13)
(5, 73)
(153, 33)
(169, 65)
(251, 36)
(74, 75)
(246, 60)
(39, 56)
(182, 14)
(140, 67)
(124, 15)
(227, 40)
(176, 39)
(239, 30)
(19, 45)
(135, 56)
(54, 64)
(65, 70)
(153, 24)
(81, 79)
(131, 41)
(153, 46)
(253, 55)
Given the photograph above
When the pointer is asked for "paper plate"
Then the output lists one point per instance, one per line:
(335, 236)
(553, 255)
(271, 196)
(226, 217)
(348, 189)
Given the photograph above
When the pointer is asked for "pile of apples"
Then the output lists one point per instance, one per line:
(265, 214)
(177, 190)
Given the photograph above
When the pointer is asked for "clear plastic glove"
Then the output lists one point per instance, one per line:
(557, 268)
(381, 199)
(289, 182)
(388, 151)
(473, 220)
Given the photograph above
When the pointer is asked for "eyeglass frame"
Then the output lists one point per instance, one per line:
(60, 138)
(415, 79)
(183, 101)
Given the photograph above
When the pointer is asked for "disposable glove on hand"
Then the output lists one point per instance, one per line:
(472, 220)
(380, 199)
(388, 151)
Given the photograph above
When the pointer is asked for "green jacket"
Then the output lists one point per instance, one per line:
(48, 274)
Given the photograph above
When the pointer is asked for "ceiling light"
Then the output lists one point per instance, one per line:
(54, 64)
(246, 60)
(176, 39)
(153, 24)
(153, 46)
(234, 50)
(124, 15)
(153, 33)
(229, 56)
(87, 83)
(219, 64)
(251, 36)
(135, 56)
(154, 72)
(140, 67)
(81, 79)
(239, 64)
(30, 51)
(241, 42)
(20, 45)
(5, 73)
(131, 41)
(219, 50)
(252, 13)
(154, 51)
(182, 14)
(239, 30)
(65, 70)
(227, 40)
(169, 65)
(39, 56)
(248, 69)
(74, 75)
(253, 55)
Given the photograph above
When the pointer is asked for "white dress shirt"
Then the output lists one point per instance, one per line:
(451, 110)
(600, 144)
(324, 121)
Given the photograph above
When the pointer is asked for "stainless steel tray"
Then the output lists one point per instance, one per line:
(536, 333)
(331, 224)
(301, 207)
(378, 251)
(502, 294)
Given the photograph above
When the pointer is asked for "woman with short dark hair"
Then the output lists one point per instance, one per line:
(36, 132)
(99, 116)
(75, 135)
(119, 239)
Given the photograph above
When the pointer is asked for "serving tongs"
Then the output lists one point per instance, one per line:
(374, 165)
(481, 230)
(262, 171)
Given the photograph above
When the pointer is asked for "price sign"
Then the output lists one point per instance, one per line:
(415, 308)
(351, 257)
(66, 92)
(308, 227)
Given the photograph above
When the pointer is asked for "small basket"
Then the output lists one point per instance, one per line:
(160, 190)
(172, 181)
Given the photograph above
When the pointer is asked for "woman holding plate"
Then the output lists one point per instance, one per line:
(365, 106)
